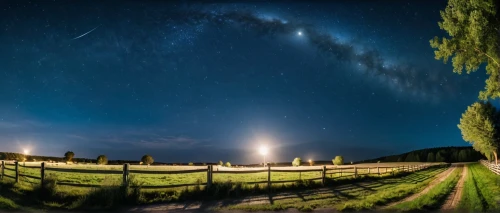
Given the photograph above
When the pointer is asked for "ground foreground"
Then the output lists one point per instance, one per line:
(470, 188)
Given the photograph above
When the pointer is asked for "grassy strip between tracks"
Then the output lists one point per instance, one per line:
(481, 190)
(355, 196)
(435, 197)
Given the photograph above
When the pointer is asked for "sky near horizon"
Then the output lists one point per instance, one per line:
(206, 82)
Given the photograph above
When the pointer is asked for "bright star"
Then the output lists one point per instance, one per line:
(299, 33)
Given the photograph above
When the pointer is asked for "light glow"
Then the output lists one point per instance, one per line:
(26, 152)
(299, 33)
(263, 150)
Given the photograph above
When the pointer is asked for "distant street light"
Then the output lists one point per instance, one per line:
(26, 153)
(263, 150)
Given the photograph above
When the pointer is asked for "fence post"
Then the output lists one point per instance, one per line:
(378, 171)
(211, 174)
(269, 177)
(368, 170)
(17, 171)
(323, 175)
(125, 173)
(3, 169)
(341, 172)
(42, 173)
(355, 172)
(209, 179)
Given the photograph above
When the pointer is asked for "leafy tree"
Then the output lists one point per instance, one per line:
(462, 156)
(440, 157)
(473, 39)
(411, 157)
(147, 159)
(228, 164)
(297, 161)
(454, 156)
(68, 156)
(338, 160)
(431, 157)
(221, 163)
(480, 125)
(102, 160)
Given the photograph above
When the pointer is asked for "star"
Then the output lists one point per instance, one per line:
(299, 33)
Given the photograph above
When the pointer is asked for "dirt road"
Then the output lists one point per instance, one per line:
(440, 177)
(455, 196)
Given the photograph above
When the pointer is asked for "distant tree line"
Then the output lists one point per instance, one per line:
(440, 154)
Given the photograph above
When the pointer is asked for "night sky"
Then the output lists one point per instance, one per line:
(185, 81)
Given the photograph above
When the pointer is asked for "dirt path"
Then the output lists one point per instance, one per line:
(455, 196)
(439, 178)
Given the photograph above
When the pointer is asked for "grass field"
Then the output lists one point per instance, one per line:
(365, 192)
(481, 190)
(191, 178)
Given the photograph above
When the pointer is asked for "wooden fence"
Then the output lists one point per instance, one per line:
(491, 166)
(341, 171)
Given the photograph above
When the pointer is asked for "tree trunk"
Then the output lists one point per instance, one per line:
(496, 158)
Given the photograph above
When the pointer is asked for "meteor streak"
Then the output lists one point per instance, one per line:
(85, 33)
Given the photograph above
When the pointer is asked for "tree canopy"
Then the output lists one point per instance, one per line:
(102, 160)
(431, 157)
(68, 156)
(447, 154)
(473, 29)
(147, 159)
(480, 125)
(338, 160)
(297, 161)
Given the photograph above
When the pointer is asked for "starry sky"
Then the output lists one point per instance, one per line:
(202, 82)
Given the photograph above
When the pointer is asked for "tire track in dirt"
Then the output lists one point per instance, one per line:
(439, 178)
(455, 196)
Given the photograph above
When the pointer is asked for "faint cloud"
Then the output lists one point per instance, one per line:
(8, 125)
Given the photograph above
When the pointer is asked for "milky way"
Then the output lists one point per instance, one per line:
(400, 77)
(186, 81)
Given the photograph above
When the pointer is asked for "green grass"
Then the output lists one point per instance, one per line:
(170, 179)
(6, 203)
(112, 194)
(348, 196)
(435, 197)
(481, 190)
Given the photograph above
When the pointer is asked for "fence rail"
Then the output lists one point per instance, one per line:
(491, 166)
(324, 171)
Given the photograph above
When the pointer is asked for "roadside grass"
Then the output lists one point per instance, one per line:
(481, 190)
(347, 196)
(435, 197)
(113, 195)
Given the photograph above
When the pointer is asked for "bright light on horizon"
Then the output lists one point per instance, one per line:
(263, 150)
(26, 152)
